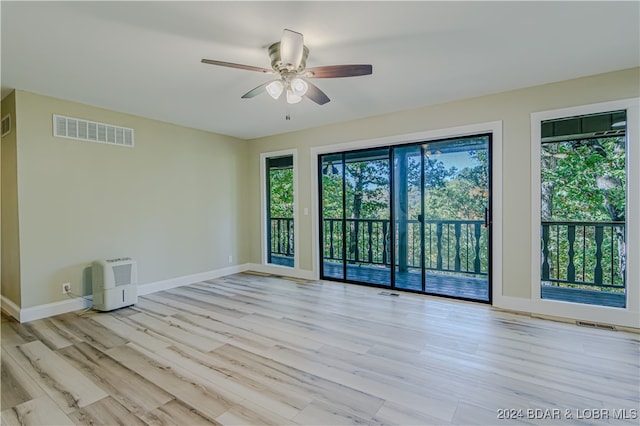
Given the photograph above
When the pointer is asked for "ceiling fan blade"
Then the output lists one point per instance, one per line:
(316, 95)
(335, 71)
(291, 48)
(239, 66)
(255, 91)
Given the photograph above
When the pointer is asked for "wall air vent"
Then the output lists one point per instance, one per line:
(6, 125)
(75, 128)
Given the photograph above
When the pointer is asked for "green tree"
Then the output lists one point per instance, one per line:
(281, 193)
(367, 187)
(460, 194)
(584, 180)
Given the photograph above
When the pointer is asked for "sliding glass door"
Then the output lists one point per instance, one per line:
(457, 217)
(366, 185)
(408, 214)
(413, 217)
(332, 196)
(355, 216)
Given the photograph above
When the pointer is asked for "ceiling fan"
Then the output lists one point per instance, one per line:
(288, 61)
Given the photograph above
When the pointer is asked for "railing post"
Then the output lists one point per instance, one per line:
(456, 229)
(356, 227)
(545, 252)
(370, 242)
(622, 252)
(476, 262)
(439, 245)
(274, 230)
(289, 239)
(385, 230)
(331, 241)
(597, 273)
(571, 267)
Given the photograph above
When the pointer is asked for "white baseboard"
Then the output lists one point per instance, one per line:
(509, 303)
(189, 279)
(10, 308)
(281, 270)
(78, 303)
(55, 308)
(570, 312)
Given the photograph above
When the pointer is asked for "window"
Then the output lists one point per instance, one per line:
(586, 212)
(279, 179)
(583, 209)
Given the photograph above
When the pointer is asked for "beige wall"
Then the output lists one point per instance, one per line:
(10, 241)
(180, 201)
(175, 202)
(513, 108)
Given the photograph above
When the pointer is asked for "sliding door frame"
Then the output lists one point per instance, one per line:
(343, 219)
(494, 129)
(343, 248)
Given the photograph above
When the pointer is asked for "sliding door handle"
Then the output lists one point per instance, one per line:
(486, 217)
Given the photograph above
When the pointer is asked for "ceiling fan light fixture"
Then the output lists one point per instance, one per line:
(275, 88)
(292, 97)
(299, 86)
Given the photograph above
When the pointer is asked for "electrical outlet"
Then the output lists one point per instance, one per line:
(230, 259)
(66, 288)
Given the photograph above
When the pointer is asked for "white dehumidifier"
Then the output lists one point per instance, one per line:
(114, 283)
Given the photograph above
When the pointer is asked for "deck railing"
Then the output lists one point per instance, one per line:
(449, 245)
(281, 243)
(584, 253)
(578, 253)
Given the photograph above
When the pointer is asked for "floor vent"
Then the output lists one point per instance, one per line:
(6, 125)
(386, 293)
(260, 274)
(91, 131)
(297, 280)
(595, 325)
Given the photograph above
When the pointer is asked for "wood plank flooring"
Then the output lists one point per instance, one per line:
(251, 349)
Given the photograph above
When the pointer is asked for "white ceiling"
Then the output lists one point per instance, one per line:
(144, 58)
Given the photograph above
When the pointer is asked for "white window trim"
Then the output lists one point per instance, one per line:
(494, 127)
(263, 209)
(629, 316)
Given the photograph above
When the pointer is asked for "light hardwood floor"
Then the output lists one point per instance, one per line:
(249, 349)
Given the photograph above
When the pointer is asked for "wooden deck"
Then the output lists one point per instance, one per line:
(460, 286)
(464, 287)
(282, 260)
(589, 297)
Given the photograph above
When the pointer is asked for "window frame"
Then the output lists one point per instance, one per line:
(264, 214)
(630, 315)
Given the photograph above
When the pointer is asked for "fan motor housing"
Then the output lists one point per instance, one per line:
(276, 59)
